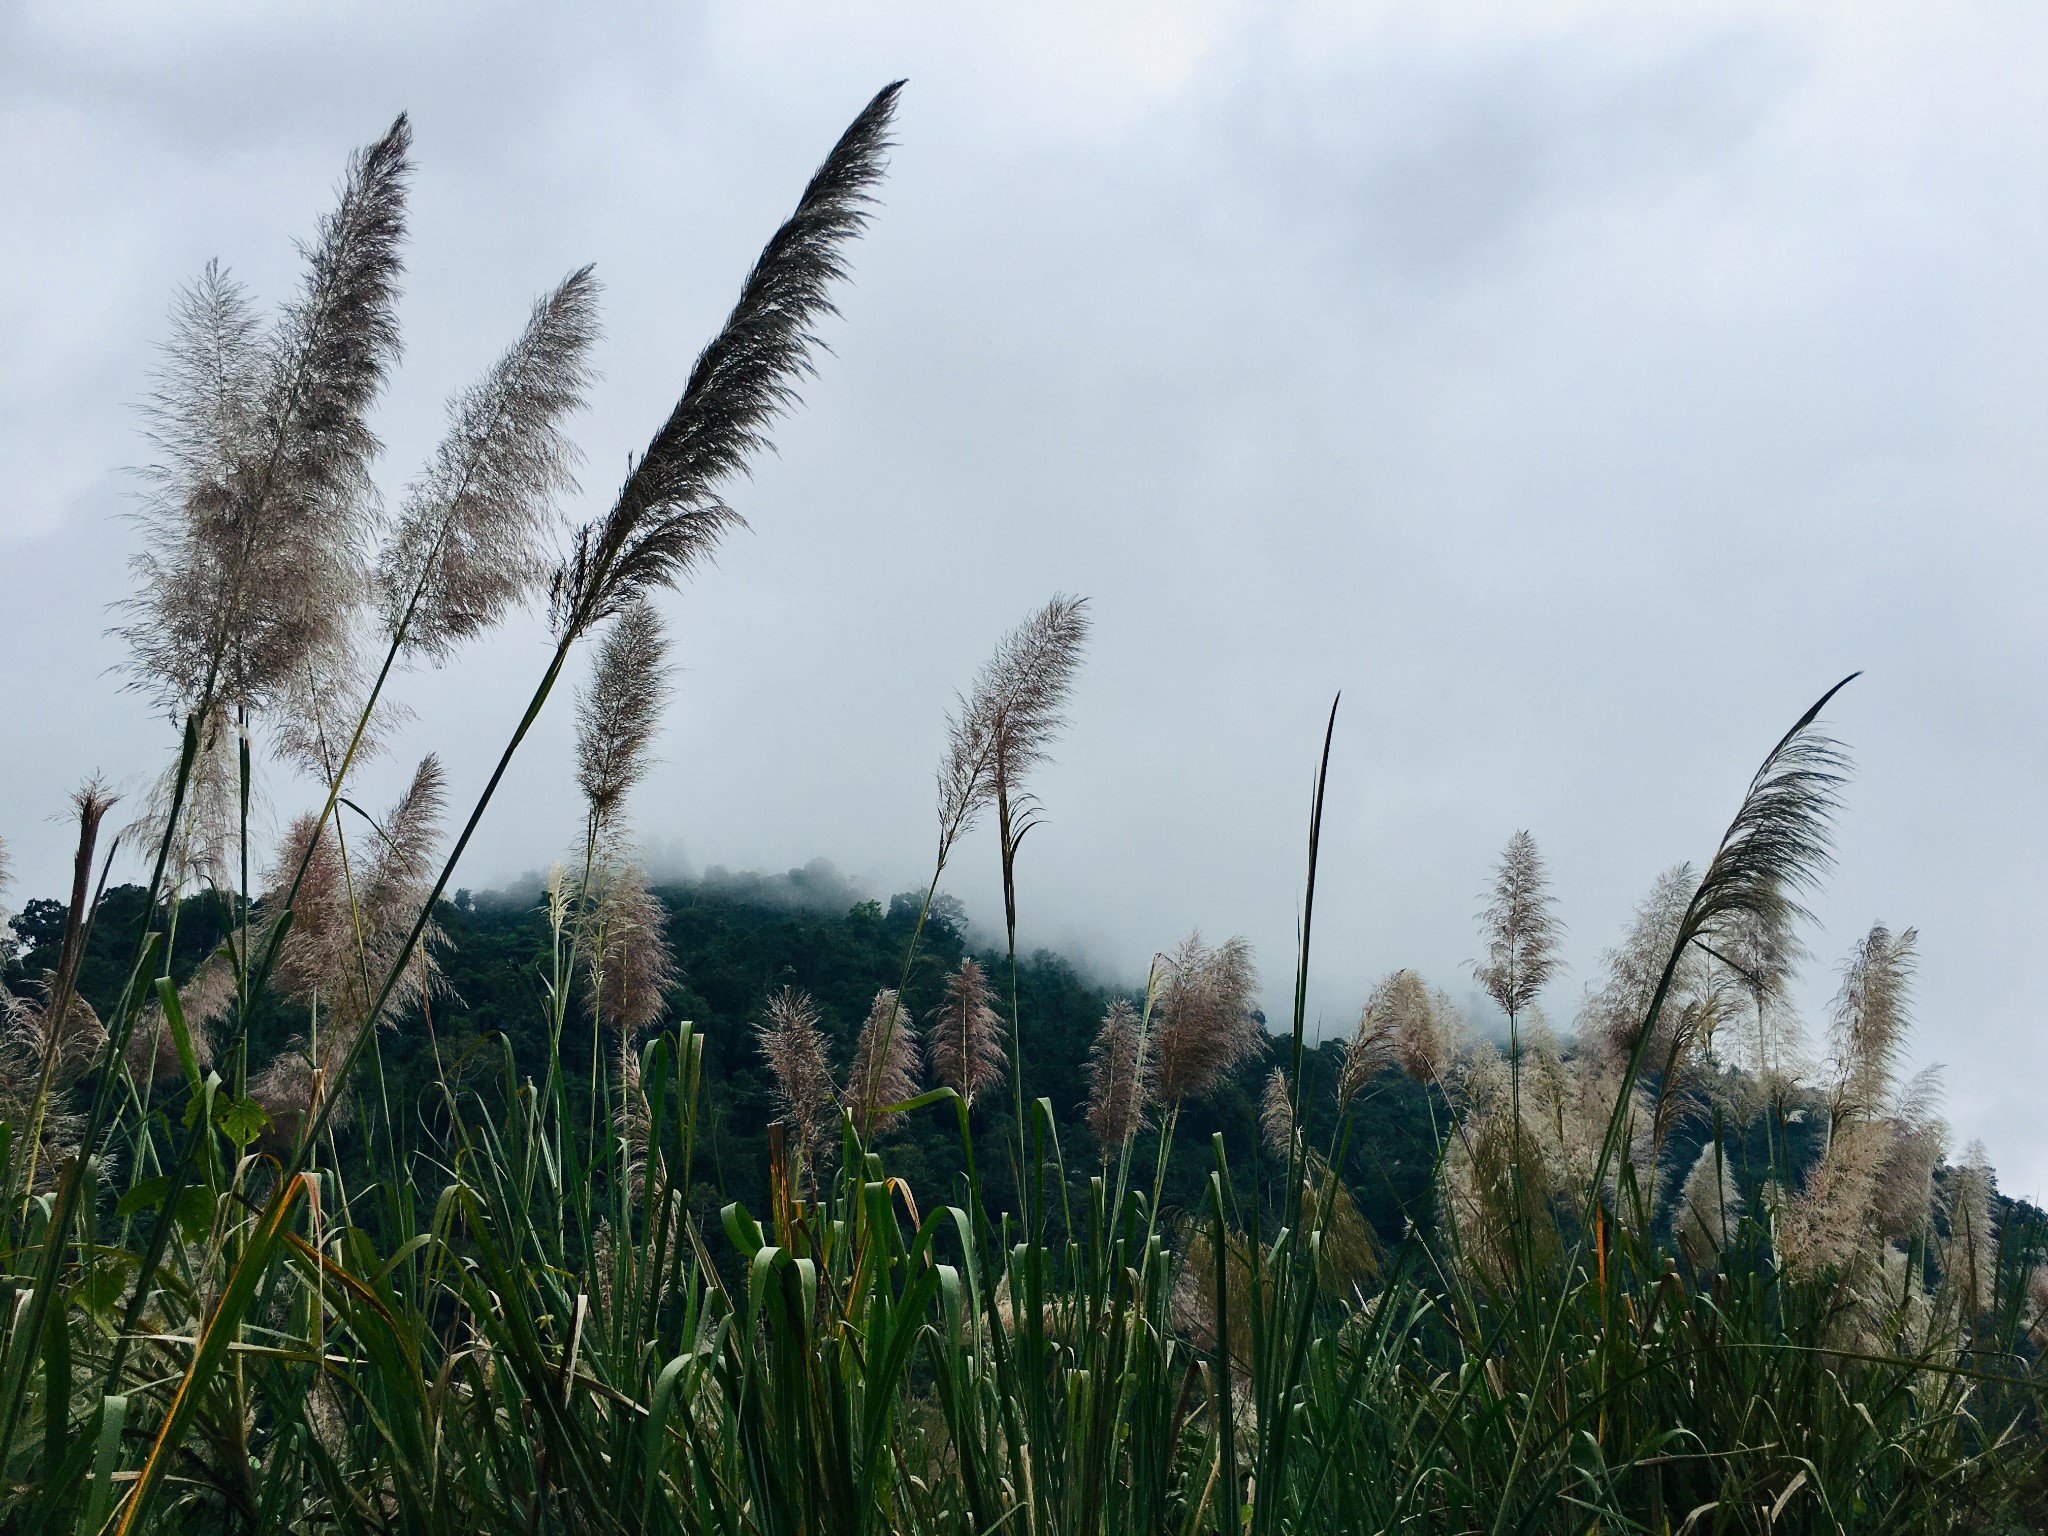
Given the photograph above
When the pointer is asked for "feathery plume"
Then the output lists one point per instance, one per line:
(1969, 1278)
(1276, 1115)
(1407, 1024)
(1611, 1021)
(205, 843)
(350, 923)
(632, 1117)
(795, 1053)
(669, 514)
(966, 1034)
(1005, 727)
(1116, 1097)
(631, 966)
(1368, 1053)
(1829, 1221)
(468, 542)
(254, 566)
(1521, 928)
(1206, 1023)
(22, 1058)
(1919, 1141)
(207, 997)
(616, 715)
(1871, 1021)
(884, 1067)
(1708, 1204)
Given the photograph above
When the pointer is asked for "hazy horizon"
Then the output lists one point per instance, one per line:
(1581, 395)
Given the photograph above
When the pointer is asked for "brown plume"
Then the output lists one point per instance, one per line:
(966, 1034)
(884, 1069)
(1005, 728)
(795, 1053)
(630, 965)
(1204, 1021)
(617, 713)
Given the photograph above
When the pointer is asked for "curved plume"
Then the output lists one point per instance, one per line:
(1005, 727)
(468, 542)
(254, 567)
(669, 516)
(351, 920)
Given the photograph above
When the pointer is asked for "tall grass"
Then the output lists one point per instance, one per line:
(1617, 1317)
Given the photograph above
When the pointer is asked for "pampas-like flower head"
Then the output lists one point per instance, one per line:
(1521, 927)
(253, 560)
(1708, 1205)
(469, 539)
(1871, 1021)
(1368, 1053)
(670, 515)
(1276, 1115)
(795, 1052)
(207, 997)
(1005, 727)
(966, 1034)
(617, 713)
(1204, 1022)
(350, 921)
(884, 1069)
(630, 964)
(1116, 1095)
(1416, 1028)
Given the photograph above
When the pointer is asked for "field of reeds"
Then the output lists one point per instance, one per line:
(1667, 1277)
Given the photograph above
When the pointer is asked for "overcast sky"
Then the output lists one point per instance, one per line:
(1580, 390)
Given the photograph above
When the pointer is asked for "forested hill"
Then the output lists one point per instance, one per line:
(734, 944)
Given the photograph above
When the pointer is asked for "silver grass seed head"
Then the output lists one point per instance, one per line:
(1004, 729)
(1970, 1258)
(630, 966)
(1521, 928)
(885, 1066)
(207, 997)
(1116, 1091)
(1205, 1022)
(353, 912)
(670, 513)
(1871, 1020)
(618, 711)
(790, 1041)
(1368, 1053)
(1276, 1115)
(1708, 1206)
(204, 845)
(255, 559)
(632, 1116)
(1414, 1026)
(469, 540)
(966, 1034)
